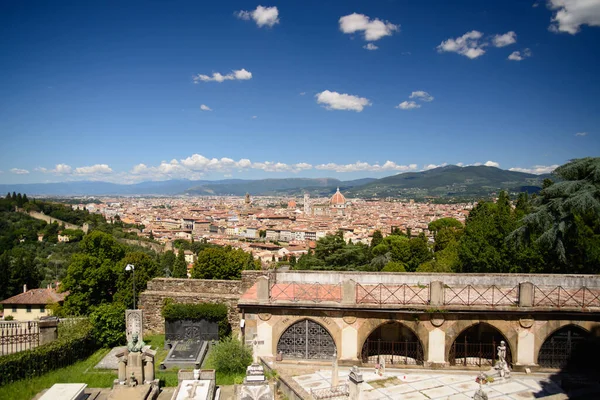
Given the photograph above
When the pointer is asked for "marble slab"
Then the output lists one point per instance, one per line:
(65, 391)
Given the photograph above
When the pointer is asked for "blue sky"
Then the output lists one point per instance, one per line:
(113, 90)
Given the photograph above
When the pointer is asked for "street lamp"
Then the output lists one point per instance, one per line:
(131, 267)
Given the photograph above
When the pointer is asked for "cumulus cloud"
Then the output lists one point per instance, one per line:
(421, 95)
(263, 16)
(19, 171)
(370, 46)
(581, 134)
(240, 74)
(408, 105)
(492, 164)
(519, 56)
(571, 14)
(93, 169)
(342, 101)
(536, 169)
(504, 40)
(432, 166)
(204, 107)
(468, 45)
(373, 29)
(60, 169)
(364, 166)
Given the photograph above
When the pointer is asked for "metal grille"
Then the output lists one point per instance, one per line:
(557, 350)
(476, 353)
(18, 336)
(306, 339)
(481, 295)
(408, 353)
(392, 294)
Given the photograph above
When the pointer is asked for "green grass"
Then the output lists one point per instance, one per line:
(80, 372)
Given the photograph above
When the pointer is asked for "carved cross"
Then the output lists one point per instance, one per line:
(255, 343)
(191, 392)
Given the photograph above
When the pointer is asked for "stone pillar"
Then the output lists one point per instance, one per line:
(437, 347)
(436, 293)
(122, 375)
(262, 289)
(264, 332)
(48, 330)
(149, 365)
(349, 292)
(349, 350)
(525, 294)
(355, 385)
(525, 343)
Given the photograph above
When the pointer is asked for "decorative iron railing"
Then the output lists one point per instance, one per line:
(475, 354)
(315, 292)
(407, 353)
(559, 296)
(18, 336)
(492, 296)
(332, 392)
(392, 294)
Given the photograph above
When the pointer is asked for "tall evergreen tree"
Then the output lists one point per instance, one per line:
(180, 266)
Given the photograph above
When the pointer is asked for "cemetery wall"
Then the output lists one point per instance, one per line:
(193, 291)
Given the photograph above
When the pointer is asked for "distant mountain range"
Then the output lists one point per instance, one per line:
(449, 181)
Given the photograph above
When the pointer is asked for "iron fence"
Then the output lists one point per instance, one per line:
(392, 294)
(407, 353)
(559, 296)
(18, 336)
(476, 354)
(481, 295)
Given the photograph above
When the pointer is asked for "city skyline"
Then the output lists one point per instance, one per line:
(147, 91)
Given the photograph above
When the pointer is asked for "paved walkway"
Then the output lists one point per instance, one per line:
(423, 385)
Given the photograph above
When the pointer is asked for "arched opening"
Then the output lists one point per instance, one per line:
(395, 343)
(564, 348)
(478, 346)
(306, 339)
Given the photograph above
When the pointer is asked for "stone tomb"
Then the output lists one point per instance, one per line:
(195, 389)
(255, 386)
(185, 354)
(65, 391)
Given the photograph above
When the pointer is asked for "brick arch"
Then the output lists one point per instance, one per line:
(333, 329)
(461, 325)
(417, 327)
(549, 328)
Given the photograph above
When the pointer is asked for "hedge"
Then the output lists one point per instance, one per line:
(77, 345)
(208, 311)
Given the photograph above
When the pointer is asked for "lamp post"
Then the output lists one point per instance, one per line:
(131, 267)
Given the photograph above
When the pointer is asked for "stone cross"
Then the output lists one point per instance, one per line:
(191, 392)
(255, 343)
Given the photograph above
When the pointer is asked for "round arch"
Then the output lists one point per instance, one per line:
(395, 342)
(475, 343)
(562, 347)
(306, 338)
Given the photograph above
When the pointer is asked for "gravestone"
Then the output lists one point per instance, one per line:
(195, 390)
(255, 386)
(134, 323)
(185, 329)
(186, 354)
(65, 391)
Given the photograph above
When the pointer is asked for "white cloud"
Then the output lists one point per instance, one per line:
(408, 105)
(504, 40)
(492, 164)
(93, 170)
(421, 95)
(302, 93)
(263, 16)
(432, 166)
(370, 46)
(19, 171)
(518, 56)
(460, 164)
(254, 117)
(373, 29)
(240, 74)
(581, 134)
(204, 107)
(342, 101)
(571, 14)
(536, 169)
(467, 45)
(60, 169)
(363, 166)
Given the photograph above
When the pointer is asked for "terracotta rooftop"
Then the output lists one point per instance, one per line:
(36, 296)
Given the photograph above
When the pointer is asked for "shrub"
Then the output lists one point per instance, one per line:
(208, 311)
(60, 353)
(108, 321)
(230, 355)
(9, 318)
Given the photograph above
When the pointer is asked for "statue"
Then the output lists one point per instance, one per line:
(135, 345)
(502, 365)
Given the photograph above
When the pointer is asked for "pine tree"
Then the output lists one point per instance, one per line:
(180, 266)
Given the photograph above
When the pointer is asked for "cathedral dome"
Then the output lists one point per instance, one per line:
(337, 199)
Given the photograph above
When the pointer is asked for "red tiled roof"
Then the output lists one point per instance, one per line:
(36, 296)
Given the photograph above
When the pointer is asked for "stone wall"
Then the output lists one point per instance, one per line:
(193, 291)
